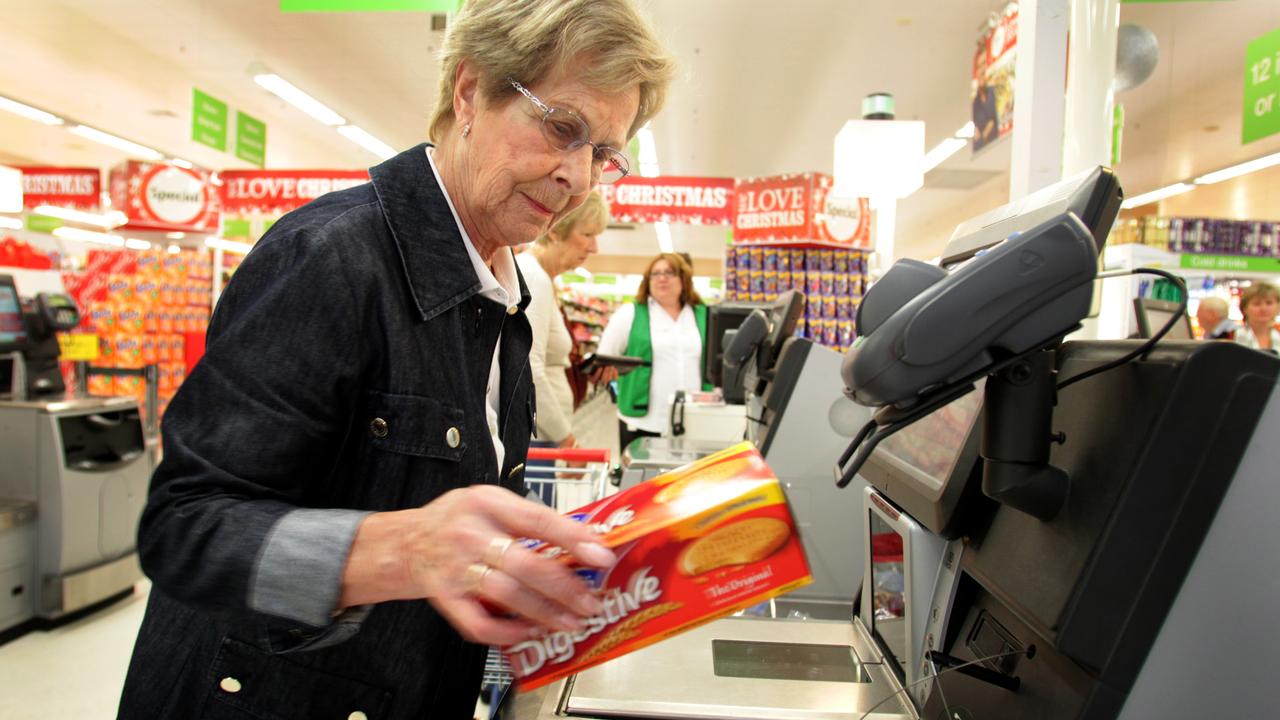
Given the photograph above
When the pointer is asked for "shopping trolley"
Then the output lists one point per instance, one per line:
(563, 488)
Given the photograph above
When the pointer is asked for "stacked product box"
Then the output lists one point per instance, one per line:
(141, 305)
(1210, 236)
(831, 280)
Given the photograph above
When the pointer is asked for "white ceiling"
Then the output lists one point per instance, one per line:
(764, 86)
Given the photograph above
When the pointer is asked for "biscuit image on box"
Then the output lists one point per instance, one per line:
(734, 543)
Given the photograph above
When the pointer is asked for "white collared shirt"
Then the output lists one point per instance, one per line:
(500, 285)
(677, 358)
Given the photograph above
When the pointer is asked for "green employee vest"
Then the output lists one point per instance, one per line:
(633, 388)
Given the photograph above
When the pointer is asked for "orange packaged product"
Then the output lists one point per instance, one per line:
(128, 350)
(130, 386)
(102, 317)
(146, 290)
(129, 318)
(101, 385)
(693, 545)
(151, 319)
(150, 350)
(177, 349)
(168, 292)
(149, 263)
(119, 289)
(164, 320)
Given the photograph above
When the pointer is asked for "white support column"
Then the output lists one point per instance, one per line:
(1039, 103)
(1090, 95)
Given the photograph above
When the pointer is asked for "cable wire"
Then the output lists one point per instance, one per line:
(935, 675)
(1145, 349)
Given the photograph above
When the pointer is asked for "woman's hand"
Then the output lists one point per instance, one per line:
(459, 553)
(604, 374)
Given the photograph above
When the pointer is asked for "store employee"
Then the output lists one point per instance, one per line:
(333, 523)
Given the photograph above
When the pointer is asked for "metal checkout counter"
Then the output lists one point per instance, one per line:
(73, 475)
(1052, 530)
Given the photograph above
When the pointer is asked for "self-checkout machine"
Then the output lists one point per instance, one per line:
(75, 469)
(1118, 561)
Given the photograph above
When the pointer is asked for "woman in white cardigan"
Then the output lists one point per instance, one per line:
(565, 246)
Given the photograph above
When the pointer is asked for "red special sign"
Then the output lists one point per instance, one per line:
(797, 209)
(76, 188)
(276, 192)
(164, 197)
(689, 200)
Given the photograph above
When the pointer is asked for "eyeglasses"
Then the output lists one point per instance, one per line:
(567, 131)
(664, 273)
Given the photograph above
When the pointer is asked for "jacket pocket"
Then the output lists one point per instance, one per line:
(416, 425)
(248, 683)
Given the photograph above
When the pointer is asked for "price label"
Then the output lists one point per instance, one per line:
(75, 347)
(1261, 111)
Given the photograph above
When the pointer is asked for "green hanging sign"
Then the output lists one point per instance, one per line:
(1261, 113)
(1230, 262)
(208, 120)
(251, 139)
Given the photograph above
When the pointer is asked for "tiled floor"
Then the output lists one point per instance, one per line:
(75, 672)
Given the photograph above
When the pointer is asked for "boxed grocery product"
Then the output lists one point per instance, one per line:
(827, 284)
(844, 307)
(827, 260)
(757, 282)
(798, 281)
(784, 262)
(770, 256)
(770, 285)
(129, 318)
(757, 258)
(841, 261)
(743, 281)
(693, 545)
(840, 286)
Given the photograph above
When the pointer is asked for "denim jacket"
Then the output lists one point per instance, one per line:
(345, 373)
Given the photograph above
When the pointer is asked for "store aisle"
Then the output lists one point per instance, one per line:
(74, 671)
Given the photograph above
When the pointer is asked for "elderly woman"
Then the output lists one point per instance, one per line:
(564, 247)
(667, 326)
(1259, 303)
(347, 447)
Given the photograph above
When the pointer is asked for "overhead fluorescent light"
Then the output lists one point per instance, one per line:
(1156, 195)
(136, 244)
(185, 164)
(288, 92)
(10, 223)
(175, 235)
(942, 151)
(70, 233)
(218, 243)
(174, 249)
(367, 141)
(107, 220)
(118, 143)
(29, 112)
(664, 237)
(1236, 171)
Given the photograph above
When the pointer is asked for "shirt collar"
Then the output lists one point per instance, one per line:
(500, 283)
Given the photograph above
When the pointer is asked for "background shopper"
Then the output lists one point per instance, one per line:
(667, 326)
(348, 445)
(1259, 303)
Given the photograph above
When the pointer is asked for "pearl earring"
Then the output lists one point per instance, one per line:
(466, 130)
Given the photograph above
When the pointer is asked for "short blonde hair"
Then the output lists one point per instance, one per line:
(594, 210)
(527, 40)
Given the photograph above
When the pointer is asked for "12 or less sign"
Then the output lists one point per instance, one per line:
(1262, 87)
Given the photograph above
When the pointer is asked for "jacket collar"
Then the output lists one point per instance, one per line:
(435, 260)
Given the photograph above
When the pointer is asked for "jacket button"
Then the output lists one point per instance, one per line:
(357, 715)
(378, 427)
(511, 475)
(229, 684)
(513, 309)
(453, 437)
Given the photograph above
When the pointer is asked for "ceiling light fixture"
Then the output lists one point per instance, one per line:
(1236, 171)
(288, 92)
(136, 244)
(29, 112)
(218, 243)
(116, 142)
(10, 223)
(948, 147)
(174, 249)
(184, 164)
(70, 233)
(1156, 195)
(367, 141)
(107, 220)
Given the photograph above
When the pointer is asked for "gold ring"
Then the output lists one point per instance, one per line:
(497, 548)
(474, 577)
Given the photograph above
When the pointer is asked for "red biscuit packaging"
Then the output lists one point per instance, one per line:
(693, 545)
